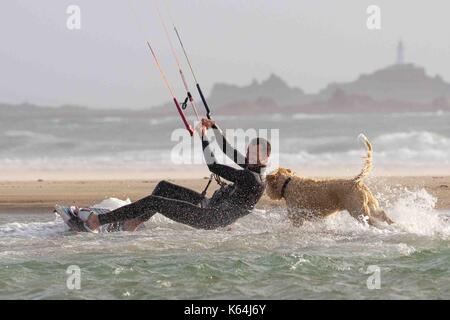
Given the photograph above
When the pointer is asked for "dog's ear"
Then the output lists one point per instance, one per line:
(272, 176)
(273, 173)
(285, 171)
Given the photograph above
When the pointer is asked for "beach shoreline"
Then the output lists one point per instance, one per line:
(40, 195)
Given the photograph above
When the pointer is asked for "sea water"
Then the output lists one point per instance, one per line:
(131, 141)
(260, 257)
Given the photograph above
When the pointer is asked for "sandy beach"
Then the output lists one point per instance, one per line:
(41, 195)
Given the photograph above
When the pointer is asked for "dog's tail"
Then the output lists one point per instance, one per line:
(367, 160)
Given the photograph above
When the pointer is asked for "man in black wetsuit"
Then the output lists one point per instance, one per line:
(186, 206)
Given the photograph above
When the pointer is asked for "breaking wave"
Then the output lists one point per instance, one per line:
(399, 148)
(415, 148)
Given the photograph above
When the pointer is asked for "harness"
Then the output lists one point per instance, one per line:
(285, 184)
(218, 180)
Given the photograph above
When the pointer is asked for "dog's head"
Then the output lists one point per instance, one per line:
(275, 182)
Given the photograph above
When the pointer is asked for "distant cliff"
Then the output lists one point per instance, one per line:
(273, 88)
(396, 88)
(402, 82)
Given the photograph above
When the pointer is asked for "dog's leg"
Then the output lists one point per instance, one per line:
(366, 205)
(361, 210)
(382, 216)
(299, 216)
(362, 214)
(296, 217)
(376, 211)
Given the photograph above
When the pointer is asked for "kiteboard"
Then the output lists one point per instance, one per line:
(70, 216)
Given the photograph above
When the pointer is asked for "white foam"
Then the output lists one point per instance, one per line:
(51, 228)
(405, 250)
(309, 116)
(414, 212)
(409, 148)
(32, 229)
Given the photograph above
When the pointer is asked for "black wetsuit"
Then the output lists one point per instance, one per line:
(186, 206)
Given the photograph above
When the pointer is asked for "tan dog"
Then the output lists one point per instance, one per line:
(308, 199)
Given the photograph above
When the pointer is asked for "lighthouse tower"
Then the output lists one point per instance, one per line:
(400, 53)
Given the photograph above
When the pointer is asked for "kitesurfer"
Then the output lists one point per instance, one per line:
(229, 203)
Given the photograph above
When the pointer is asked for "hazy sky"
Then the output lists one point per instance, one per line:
(106, 63)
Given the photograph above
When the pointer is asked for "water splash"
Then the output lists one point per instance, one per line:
(261, 256)
(413, 211)
(32, 229)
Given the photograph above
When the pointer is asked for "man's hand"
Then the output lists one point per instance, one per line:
(207, 124)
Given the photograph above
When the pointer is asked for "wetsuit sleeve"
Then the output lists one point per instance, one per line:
(227, 148)
(226, 172)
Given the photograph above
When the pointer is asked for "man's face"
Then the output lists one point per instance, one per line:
(257, 155)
